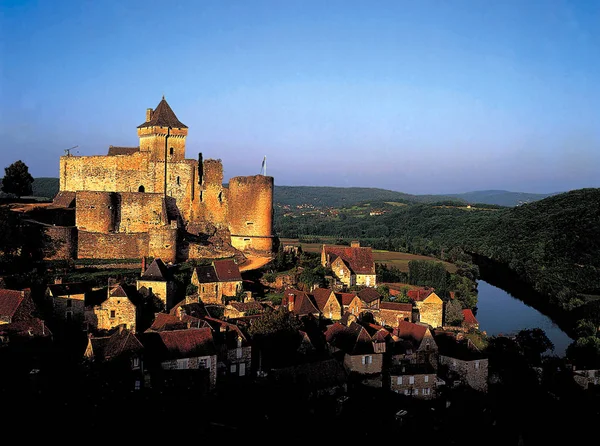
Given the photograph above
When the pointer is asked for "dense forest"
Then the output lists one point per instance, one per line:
(552, 244)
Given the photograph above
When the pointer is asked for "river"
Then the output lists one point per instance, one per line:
(498, 312)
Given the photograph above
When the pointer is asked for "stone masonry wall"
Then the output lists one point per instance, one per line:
(141, 211)
(95, 245)
(474, 372)
(124, 313)
(162, 243)
(414, 385)
(96, 211)
(251, 210)
(431, 313)
(212, 203)
(354, 363)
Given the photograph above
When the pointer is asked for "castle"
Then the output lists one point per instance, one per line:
(151, 200)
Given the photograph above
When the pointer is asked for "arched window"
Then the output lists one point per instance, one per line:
(141, 189)
(171, 151)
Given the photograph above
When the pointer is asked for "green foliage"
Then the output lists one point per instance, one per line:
(384, 291)
(191, 289)
(275, 298)
(390, 274)
(585, 328)
(45, 187)
(17, 179)
(453, 313)
(585, 352)
(534, 343)
(431, 274)
(312, 277)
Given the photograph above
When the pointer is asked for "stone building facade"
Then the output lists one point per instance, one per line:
(116, 310)
(137, 201)
(431, 310)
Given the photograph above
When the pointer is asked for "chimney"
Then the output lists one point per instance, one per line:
(355, 244)
(143, 264)
(58, 280)
(148, 114)
(291, 298)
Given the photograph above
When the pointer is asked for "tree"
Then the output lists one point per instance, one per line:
(534, 343)
(454, 314)
(17, 179)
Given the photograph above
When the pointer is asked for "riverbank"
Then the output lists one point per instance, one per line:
(501, 276)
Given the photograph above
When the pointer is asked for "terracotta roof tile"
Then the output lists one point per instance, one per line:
(10, 300)
(369, 295)
(469, 317)
(163, 116)
(395, 306)
(121, 342)
(321, 296)
(180, 343)
(302, 305)
(359, 259)
(227, 270)
(345, 298)
(65, 289)
(409, 330)
(26, 328)
(420, 294)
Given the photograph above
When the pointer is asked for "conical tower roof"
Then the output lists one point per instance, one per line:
(163, 116)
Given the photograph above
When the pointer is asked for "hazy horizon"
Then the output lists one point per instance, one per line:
(423, 97)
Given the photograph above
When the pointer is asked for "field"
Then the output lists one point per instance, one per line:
(390, 258)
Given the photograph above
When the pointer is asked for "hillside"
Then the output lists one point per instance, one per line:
(500, 197)
(45, 187)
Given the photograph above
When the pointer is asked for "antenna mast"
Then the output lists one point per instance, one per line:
(68, 151)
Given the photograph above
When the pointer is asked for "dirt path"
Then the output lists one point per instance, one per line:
(253, 262)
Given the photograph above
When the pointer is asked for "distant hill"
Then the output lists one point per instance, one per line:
(325, 196)
(500, 197)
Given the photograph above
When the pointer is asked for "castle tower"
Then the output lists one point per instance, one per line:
(162, 130)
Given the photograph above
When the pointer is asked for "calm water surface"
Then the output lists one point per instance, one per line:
(500, 313)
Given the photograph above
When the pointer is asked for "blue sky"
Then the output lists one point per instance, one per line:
(415, 96)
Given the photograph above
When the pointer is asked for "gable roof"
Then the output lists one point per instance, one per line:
(163, 116)
(193, 309)
(179, 344)
(369, 295)
(10, 301)
(419, 294)
(395, 306)
(121, 342)
(353, 339)
(302, 303)
(345, 298)
(469, 317)
(156, 271)
(164, 321)
(321, 296)
(66, 289)
(462, 349)
(206, 274)
(410, 331)
(117, 291)
(433, 299)
(227, 270)
(359, 259)
(246, 306)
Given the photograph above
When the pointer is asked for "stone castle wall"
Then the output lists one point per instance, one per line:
(116, 245)
(251, 212)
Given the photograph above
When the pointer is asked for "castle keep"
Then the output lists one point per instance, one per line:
(152, 201)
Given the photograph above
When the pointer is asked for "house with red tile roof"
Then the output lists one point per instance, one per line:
(15, 306)
(299, 302)
(351, 265)
(220, 279)
(419, 294)
(390, 313)
(240, 309)
(171, 321)
(355, 346)
(469, 320)
(120, 349)
(421, 339)
(181, 351)
(234, 349)
(328, 303)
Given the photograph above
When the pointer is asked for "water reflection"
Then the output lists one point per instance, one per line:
(500, 313)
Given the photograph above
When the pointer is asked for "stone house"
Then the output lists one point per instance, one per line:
(431, 310)
(234, 350)
(117, 309)
(346, 299)
(68, 300)
(235, 309)
(299, 303)
(221, 278)
(415, 380)
(328, 303)
(461, 363)
(180, 321)
(122, 352)
(157, 281)
(587, 378)
(192, 350)
(390, 313)
(356, 347)
(15, 306)
(353, 265)
(423, 345)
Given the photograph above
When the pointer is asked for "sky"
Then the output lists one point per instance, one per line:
(422, 97)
